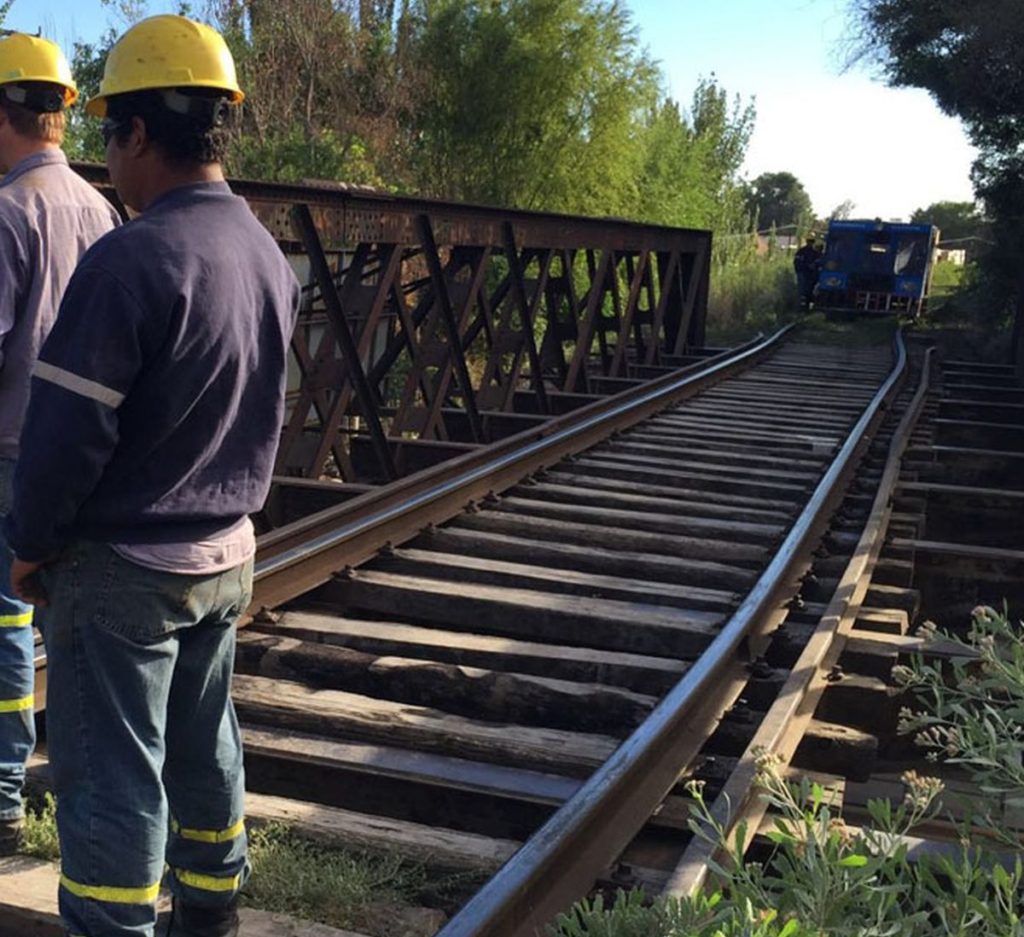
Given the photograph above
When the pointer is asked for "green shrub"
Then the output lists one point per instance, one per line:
(41, 830)
(824, 879)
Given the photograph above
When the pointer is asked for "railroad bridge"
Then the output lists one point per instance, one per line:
(535, 555)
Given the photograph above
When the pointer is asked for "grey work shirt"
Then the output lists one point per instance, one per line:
(49, 217)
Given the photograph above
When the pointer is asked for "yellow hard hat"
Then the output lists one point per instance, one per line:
(29, 58)
(167, 52)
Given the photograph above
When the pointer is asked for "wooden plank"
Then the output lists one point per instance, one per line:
(716, 527)
(415, 562)
(501, 781)
(907, 645)
(626, 497)
(675, 448)
(885, 620)
(433, 846)
(634, 671)
(702, 461)
(742, 420)
(455, 688)
(789, 398)
(592, 559)
(565, 476)
(962, 550)
(822, 388)
(837, 749)
(687, 477)
(694, 428)
(521, 613)
(343, 715)
(962, 492)
(768, 414)
(619, 537)
(953, 453)
(28, 906)
(256, 923)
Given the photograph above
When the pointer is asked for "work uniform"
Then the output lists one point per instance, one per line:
(807, 265)
(155, 414)
(49, 217)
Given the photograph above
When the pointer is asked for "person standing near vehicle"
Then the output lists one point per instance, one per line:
(807, 265)
(49, 217)
(150, 438)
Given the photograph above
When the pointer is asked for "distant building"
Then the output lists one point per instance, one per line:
(954, 255)
(784, 242)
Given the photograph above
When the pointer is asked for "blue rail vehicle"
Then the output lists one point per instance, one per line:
(877, 266)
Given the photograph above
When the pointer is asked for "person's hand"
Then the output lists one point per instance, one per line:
(25, 583)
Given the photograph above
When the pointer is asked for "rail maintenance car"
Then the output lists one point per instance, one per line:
(877, 266)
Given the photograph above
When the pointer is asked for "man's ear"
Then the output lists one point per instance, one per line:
(138, 140)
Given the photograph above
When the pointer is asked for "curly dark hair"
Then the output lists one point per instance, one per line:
(190, 126)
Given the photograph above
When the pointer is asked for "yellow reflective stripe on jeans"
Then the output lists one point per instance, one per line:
(16, 621)
(17, 705)
(210, 836)
(207, 882)
(115, 895)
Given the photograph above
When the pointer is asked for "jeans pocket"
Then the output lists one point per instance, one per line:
(140, 604)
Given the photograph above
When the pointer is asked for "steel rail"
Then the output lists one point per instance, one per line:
(562, 860)
(789, 715)
(296, 558)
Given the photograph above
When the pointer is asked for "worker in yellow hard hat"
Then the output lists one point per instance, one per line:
(49, 217)
(164, 382)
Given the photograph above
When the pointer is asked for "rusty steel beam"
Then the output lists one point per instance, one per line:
(419, 314)
(304, 227)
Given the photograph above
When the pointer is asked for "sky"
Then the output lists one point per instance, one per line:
(843, 134)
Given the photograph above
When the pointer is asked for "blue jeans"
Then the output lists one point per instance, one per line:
(144, 746)
(17, 673)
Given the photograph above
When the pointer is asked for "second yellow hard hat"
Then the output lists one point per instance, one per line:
(167, 52)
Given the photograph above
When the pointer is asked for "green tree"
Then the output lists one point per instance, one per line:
(323, 89)
(955, 220)
(778, 199)
(970, 56)
(691, 162)
(83, 140)
(530, 103)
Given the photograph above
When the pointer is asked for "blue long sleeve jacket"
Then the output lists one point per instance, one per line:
(158, 397)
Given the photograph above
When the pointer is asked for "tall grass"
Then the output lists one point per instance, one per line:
(749, 293)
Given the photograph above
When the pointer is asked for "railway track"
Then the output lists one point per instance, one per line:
(470, 685)
(509, 662)
(941, 537)
(447, 664)
(532, 601)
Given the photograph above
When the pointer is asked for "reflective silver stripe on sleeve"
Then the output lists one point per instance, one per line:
(78, 385)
